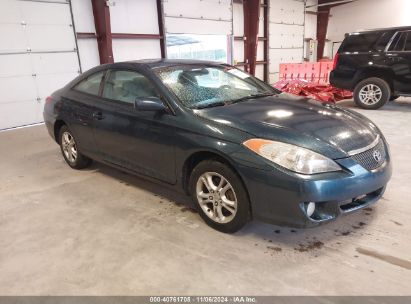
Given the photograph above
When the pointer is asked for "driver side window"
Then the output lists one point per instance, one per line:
(127, 86)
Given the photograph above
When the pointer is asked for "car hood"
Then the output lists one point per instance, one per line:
(324, 128)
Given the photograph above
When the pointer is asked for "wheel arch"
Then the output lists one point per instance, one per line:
(376, 72)
(198, 156)
(57, 126)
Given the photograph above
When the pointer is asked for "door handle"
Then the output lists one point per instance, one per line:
(98, 115)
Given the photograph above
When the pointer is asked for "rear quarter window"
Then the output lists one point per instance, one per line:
(90, 85)
(361, 42)
(401, 42)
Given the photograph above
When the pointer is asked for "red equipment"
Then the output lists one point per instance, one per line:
(310, 80)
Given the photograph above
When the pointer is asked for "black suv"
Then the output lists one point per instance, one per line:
(375, 64)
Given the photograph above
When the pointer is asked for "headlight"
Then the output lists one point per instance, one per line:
(294, 158)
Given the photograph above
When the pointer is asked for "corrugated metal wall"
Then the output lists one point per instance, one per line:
(287, 20)
(238, 31)
(38, 54)
(135, 17)
(198, 17)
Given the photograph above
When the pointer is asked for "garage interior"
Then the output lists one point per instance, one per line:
(100, 231)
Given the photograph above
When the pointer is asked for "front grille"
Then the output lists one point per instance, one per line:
(372, 158)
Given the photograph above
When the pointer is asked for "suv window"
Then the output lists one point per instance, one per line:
(408, 43)
(383, 41)
(360, 42)
(91, 84)
(127, 86)
(398, 44)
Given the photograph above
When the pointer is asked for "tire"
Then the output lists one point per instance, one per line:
(372, 93)
(67, 144)
(227, 207)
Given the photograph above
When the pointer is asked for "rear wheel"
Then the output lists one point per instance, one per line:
(219, 196)
(70, 151)
(372, 93)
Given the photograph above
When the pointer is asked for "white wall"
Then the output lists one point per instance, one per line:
(238, 30)
(134, 49)
(126, 16)
(84, 23)
(310, 28)
(366, 14)
(135, 17)
(286, 29)
(198, 17)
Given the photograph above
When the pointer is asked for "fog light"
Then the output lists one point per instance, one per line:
(310, 208)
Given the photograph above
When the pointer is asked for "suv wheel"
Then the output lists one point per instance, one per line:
(219, 196)
(372, 93)
(69, 149)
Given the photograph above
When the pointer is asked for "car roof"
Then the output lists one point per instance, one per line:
(388, 29)
(161, 63)
(144, 64)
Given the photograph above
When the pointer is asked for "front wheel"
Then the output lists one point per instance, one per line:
(372, 93)
(219, 196)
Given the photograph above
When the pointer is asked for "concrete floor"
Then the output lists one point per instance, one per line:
(102, 232)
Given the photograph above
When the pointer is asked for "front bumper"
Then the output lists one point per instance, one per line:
(278, 196)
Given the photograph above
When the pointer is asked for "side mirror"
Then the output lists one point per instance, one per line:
(153, 104)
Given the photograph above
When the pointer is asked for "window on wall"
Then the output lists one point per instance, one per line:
(201, 47)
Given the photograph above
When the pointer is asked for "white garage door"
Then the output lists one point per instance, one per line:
(38, 55)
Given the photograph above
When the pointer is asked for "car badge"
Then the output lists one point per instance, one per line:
(377, 155)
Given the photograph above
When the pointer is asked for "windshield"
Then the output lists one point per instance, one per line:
(200, 87)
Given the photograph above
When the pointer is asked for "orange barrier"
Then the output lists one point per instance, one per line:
(316, 72)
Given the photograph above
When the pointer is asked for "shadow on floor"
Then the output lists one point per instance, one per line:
(156, 188)
(400, 105)
(301, 240)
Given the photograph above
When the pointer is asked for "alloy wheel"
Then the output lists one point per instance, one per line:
(216, 197)
(370, 94)
(69, 147)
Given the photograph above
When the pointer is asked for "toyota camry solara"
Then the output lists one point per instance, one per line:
(238, 147)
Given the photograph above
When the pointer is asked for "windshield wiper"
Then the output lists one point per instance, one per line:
(220, 103)
(252, 96)
(209, 105)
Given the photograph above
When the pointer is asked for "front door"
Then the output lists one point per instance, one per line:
(140, 141)
(80, 108)
(399, 58)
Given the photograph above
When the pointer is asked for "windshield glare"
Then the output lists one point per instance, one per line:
(203, 86)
